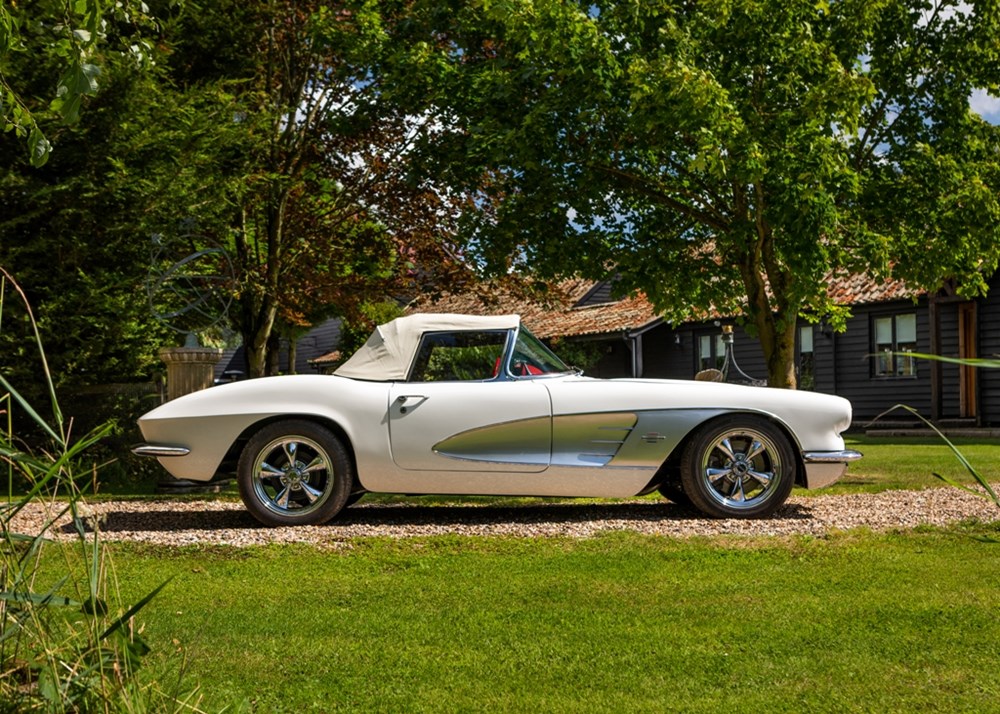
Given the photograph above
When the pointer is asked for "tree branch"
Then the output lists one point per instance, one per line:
(710, 219)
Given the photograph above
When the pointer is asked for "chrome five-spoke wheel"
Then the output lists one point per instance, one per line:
(738, 467)
(294, 473)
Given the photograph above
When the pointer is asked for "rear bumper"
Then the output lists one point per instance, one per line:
(826, 467)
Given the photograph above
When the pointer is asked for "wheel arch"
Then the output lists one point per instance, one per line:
(232, 456)
(670, 468)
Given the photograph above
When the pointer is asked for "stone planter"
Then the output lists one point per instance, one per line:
(189, 369)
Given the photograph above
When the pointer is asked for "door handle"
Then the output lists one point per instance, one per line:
(403, 398)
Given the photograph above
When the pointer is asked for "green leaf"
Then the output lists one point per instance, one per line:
(39, 147)
(37, 599)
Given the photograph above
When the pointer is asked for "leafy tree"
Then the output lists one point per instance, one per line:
(253, 131)
(727, 154)
(324, 217)
(75, 233)
(356, 330)
(74, 32)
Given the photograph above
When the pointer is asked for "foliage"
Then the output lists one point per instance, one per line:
(73, 32)
(719, 155)
(463, 363)
(579, 354)
(78, 230)
(62, 652)
(318, 213)
(356, 330)
(324, 218)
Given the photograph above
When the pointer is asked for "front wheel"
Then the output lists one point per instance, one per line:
(673, 491)
(293, 473)
(741, 466)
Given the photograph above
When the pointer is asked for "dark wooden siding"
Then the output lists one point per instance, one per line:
(950, 399)
(845, 365)
(663, 356)
(989, 346)
(749, 354)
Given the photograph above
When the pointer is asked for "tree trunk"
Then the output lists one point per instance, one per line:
(293, 354)
(781, 358)
(774, 317)
(273, 349)
(255, 339)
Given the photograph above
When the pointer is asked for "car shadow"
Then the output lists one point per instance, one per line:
(375, 515)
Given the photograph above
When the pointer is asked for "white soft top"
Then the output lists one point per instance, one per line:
(388, 353)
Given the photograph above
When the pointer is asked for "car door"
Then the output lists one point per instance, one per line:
(454, 415)
(470, 426)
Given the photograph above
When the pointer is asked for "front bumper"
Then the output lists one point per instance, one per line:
(826, 467)
(158, 450)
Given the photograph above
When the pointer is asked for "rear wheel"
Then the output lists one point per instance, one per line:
(294, 472)
(741, 466)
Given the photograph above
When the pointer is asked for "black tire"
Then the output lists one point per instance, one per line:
(673, 491)
(740, 466)
(294, 473)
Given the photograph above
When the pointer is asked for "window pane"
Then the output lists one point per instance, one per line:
(457, 356)
(883, 347)
(883, 333)
(906, 366)
(704, 352)
(906, 329)
(531, 357)
(720, 352)
(807, 371)
(906, 341)
(806, 339)
(883, 364)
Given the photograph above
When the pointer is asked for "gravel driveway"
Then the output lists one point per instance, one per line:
(183, 522)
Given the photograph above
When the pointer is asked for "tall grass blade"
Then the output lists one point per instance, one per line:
(49, 661)
(117, 624)
(38, 599)
(56, 411)
(31, 412)
(985, 362)
(976, 475)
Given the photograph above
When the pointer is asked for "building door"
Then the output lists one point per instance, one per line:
(967, 349)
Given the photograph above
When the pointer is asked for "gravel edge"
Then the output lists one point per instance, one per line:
(174, 522)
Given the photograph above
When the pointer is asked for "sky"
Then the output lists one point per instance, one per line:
(986, 106)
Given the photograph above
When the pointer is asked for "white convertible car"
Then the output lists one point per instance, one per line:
(459, 404)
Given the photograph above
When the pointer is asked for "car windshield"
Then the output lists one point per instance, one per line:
(532, 358)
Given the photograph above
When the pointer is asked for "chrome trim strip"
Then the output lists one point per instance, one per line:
(157, 450)
(831, 457)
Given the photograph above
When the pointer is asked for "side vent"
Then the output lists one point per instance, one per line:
(590, 439)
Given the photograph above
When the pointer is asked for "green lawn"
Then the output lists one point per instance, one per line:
(853, 622)
(892, 463)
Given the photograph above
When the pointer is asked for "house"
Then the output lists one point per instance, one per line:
(318, 342)
(627, 338)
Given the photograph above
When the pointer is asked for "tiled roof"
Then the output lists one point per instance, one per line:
(572, 310)
(862, 290)
(557, 316)
(328, 358)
